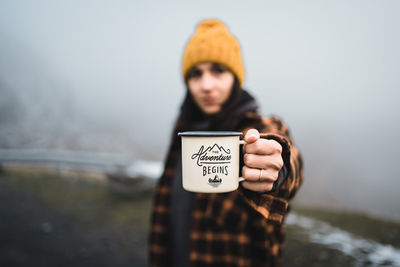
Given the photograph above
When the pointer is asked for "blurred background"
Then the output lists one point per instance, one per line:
(89, 92)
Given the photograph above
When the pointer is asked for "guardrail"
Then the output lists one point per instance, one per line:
(123, 171)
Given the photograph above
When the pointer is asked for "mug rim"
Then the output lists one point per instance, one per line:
(209, 133)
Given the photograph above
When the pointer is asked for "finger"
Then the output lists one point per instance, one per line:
(251, 136)
(263, 161)
(264, 147)
(255, 175)
(258, 187)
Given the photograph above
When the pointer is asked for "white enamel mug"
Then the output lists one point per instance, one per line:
(210, 161)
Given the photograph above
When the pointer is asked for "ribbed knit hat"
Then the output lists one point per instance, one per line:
(212, 42)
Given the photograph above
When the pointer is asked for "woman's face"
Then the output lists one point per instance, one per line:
(210, 85)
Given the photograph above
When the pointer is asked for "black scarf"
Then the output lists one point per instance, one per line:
(226, 120)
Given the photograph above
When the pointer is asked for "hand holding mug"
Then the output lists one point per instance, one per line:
(263, 161)
(210, 161)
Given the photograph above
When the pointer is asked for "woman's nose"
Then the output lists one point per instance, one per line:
(207, 82)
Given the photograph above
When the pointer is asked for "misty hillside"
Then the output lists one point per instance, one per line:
(106, 77)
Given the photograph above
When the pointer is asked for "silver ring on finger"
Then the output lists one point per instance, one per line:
(259, 178)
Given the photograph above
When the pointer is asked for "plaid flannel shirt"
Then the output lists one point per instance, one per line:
(239, 228)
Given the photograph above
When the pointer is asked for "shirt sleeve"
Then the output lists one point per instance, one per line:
(274, 205)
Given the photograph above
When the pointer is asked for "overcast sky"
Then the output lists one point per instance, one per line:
(106, 75)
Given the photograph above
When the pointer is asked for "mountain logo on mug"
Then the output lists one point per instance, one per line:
(215, 182)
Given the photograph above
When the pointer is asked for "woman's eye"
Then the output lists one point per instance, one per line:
(218, 69)
(195, 74)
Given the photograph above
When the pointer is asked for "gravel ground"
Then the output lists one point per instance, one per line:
(36, 233)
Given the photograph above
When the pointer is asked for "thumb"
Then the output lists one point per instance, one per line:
(251, 136)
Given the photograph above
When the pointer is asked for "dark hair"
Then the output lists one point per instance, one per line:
(191, 114)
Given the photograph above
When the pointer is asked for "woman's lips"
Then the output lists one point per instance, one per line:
(209, 100)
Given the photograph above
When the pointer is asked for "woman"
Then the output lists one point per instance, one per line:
(240, 228)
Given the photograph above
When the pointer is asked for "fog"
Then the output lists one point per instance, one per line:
(106, 76)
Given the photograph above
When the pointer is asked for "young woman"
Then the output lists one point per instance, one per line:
(240, 228)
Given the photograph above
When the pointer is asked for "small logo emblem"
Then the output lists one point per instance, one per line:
(215, 182)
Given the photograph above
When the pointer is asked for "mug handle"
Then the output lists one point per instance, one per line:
(241, 142)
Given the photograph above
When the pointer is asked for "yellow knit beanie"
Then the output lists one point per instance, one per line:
(212, 42)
